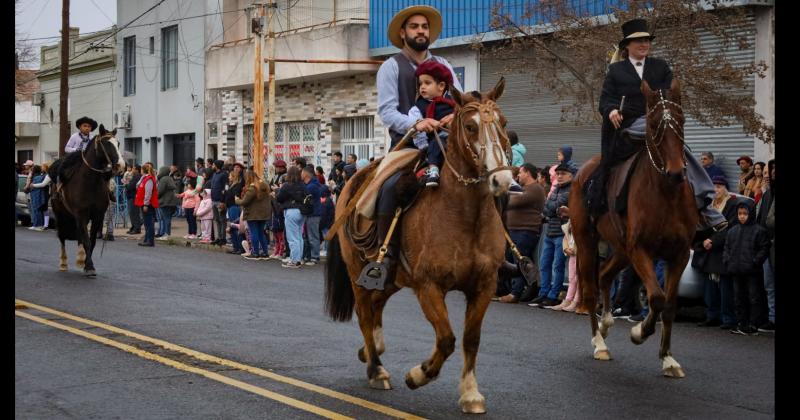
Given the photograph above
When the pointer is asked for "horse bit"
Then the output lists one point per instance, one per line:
(487, 116)
(667, 120)
(108, 158)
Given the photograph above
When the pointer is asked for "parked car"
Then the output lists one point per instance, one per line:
(22, 203)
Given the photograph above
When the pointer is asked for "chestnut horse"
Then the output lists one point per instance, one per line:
(84, 197)
(660, 222)
(453, 240)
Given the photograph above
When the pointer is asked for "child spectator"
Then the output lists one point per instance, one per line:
(573, 290)
(746, 249)
(191, 199)
(206, 216)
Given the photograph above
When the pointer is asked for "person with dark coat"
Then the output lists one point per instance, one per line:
(336, 162)
(290, 197)
(256, 210)
(552, 259)
(219, 182)
(707, 160)
(168, 202)
(746, 249)
(624, 107)
(130, 193)
(707, 258)
(766, 207)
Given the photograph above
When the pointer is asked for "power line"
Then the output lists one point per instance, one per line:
(104, 13)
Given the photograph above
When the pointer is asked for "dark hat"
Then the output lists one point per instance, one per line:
(200, 160)
(633, 29)
(219, 163)
(719, 180)
(87, 120)
(437, 70)
(747, 158)
(563, 167)
(279, 164)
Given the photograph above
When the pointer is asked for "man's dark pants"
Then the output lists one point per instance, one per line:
(526, 241)
(135, 213)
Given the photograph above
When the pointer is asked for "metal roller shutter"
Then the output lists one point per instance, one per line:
(535, 116)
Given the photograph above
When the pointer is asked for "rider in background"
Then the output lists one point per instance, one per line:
(623, 107)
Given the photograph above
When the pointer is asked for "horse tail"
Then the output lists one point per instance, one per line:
(339, 297)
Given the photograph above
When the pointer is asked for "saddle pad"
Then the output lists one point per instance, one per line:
(388, 166)
(617, 184)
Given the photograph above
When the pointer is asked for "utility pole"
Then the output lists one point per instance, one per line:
(63, 132)
(258, 92)
(271, 110)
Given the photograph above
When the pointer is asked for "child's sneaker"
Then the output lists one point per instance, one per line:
(191, 237)
(205, 241)
(432, 177)
(291, 264)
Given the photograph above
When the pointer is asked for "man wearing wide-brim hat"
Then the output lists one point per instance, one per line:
(623, 107)
(412, 30)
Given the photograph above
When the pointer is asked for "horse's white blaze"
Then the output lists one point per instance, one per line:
(494, 156)
(120, 161)
(378, 337)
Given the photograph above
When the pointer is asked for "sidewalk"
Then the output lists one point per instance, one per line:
(179, 229)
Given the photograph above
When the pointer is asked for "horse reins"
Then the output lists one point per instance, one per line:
(667, 121)
(108, 158)
(486, 111)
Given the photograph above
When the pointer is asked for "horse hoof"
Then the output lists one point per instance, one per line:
(636, 334)
(362, 355)
(674, 372)
(602, 355)
(382, 384)
(473, 407)
(90, 273)
(62, 268)
(416, 378)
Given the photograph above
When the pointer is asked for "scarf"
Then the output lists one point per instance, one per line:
(430, 112)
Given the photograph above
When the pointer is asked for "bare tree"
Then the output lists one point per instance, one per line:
(567, 51)
(23, 50)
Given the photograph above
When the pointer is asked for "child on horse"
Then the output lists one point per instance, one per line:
(434, 101)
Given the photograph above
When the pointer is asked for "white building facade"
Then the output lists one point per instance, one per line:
(160, 78)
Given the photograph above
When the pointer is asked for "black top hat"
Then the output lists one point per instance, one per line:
(632, 29)
(87, 120)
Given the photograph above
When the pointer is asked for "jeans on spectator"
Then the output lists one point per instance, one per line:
(719, 300)
(165, 225)
(191, 220)
(661, 266)
(149, 226)
(219, 220)
(37, 217)
(525, 241)
(312, 230)
(551, 266)
(135, 214)
(294, 233)
(260, 243)
(627, 293)
(769, 287)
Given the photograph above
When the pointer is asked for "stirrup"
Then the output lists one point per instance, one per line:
(373, 276)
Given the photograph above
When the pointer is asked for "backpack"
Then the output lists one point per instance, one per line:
(307, 205)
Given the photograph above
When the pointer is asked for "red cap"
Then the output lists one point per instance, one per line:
(437, 70)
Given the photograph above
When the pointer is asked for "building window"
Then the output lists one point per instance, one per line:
(169, 57)
(356, 136)
(459, 71)
(212, 130)
(24, 156)
(133, 145)
(129, 65)
(152, 45)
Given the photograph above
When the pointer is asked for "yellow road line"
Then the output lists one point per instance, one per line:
(180, 366)
(213, 359)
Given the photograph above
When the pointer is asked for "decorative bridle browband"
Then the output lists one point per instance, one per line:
(486, 111)
(667, 121)
(97, 145)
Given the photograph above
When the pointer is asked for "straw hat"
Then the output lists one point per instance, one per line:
(434, 23)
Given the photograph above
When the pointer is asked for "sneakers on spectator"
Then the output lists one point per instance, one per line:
(162, 238)
(744, 330)
(620, 313)
(549, 303)
(768, 327)
(509, 298)
(636, 318)
(263, 257)
(291, 264)
(251, 257)
(205, 241)
(286, 260)
(537, 301)
(312, 262)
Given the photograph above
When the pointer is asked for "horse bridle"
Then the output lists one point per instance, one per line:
(486, 111)
(667, 121)
(97, 142)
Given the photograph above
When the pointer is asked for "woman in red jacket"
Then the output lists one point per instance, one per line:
(147, 199)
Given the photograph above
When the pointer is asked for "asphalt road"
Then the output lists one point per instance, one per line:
(533, 363)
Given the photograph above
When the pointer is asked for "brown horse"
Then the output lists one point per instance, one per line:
(85, 196)
(660, 222)
(452, 239)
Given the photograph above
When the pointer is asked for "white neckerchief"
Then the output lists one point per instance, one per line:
(639, 69)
